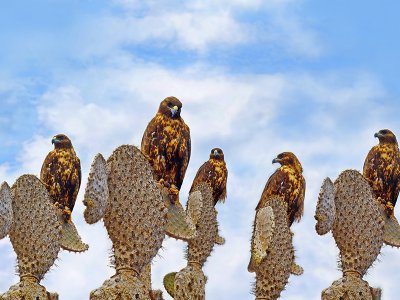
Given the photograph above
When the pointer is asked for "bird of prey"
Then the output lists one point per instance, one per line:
(214, 173)
(382, 169)
(166, 144)
(61, 174)
(288, 183)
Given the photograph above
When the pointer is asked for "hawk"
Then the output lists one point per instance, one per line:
(288, 183)
(61, 174)
(166, 144)
(382, 169)
(215, 173)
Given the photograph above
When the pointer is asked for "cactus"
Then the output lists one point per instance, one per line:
(272, 253)
(6, 214)
(134, 216)
(358, 229)
(35, 235)
(189, 283)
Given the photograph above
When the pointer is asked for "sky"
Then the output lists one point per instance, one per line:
(256, 78)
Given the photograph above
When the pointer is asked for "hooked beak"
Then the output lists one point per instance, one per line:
(377, 135)
(276, 160)
(54, 140)
(216, 152)
(174, 111)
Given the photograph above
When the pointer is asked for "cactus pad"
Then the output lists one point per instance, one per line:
(392, 231)
(169, 281)
(348, 288)
(135, 216)
(36, 230)
(264, 226)
(190, 283)
(200, 246)
(70, 239)
(359, 227)
(6, 214)
(325, 212)
(273, 272)
(96, 193)
(28, 288)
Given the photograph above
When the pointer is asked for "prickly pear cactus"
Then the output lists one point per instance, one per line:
(96, 193)
(358, 229)
(6, 214)
(189, 283)
(325, 212)
(274, 267)
(35, 235)
(135, 218)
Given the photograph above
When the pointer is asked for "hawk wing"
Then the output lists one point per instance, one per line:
(382, 171)
(184, 151)
(288, 187)
(203, 174)
(151, 147)
(61, 174)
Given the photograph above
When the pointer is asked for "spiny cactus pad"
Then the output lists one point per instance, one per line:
(135, 216)
(359, 227)
(190, 283)
(6, 214)
(392, 230)
(200, 247)
(71, 239)
(36, 230)
(179, 225)
(28, 289)
(169, 282)
(262, 236)
(325, 212)
(96, 193)
(125, 285)
(273, 272)
(348, 288)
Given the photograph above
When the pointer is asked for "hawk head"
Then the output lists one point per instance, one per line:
(171, 107)
(288, 159)
(217, 154)
(385, 136)
(61, 141)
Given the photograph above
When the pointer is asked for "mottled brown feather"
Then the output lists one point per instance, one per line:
(288, 183)
(382, 171)
(214, 173)
(166, 144)
(61, 174)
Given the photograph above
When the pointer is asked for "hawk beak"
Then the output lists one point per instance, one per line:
(376, 134)
(174, 110)
(276, 160)
(216, 153)
(54, 140)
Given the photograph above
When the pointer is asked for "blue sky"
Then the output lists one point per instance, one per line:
(256, 78)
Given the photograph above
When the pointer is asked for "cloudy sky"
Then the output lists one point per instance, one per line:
(256, 78)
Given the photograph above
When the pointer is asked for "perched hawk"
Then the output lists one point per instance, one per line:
(215, 173)
(166, 144)
(382, 169)
(288, 183)
(61, 174)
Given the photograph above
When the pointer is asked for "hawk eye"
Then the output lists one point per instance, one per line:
(384, 131)
(169, 104)
(60, 137)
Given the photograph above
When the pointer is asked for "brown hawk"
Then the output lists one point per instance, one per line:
(166, 144)
(61, 174)
(382, 169)
(215, 173)
(288, 183)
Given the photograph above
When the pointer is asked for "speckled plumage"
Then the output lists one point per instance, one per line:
(382, 169)
(166, 143)
(214, 173)
(61, 172)
(288, 183)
